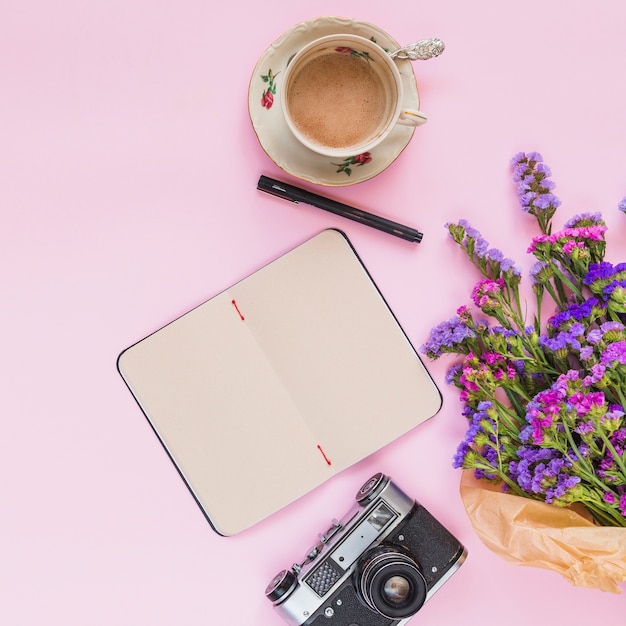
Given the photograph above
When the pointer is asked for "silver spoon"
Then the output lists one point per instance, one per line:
(420, 50)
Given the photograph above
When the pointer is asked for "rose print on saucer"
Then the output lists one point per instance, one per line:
(357, 160)
(267, 99)
(356, 53)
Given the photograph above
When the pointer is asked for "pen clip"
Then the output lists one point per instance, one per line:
(273, 188)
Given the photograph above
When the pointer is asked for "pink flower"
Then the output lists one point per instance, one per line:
(539, 239)
(486, 294)
(569, 246)
(267, 100)
(362, 159)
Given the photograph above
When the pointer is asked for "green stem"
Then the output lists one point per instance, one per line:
(613, 451)
(620, 394)
(550, 290)
(510, 418)
(503, 476)
(514, 400)
(605, 516)
(538, 300)
(575, 289)
(590, 473)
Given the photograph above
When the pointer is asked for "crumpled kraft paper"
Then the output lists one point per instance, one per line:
(532, 533)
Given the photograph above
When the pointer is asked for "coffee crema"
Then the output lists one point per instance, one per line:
(337, 100)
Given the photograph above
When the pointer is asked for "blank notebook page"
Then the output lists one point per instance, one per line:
(269, 388)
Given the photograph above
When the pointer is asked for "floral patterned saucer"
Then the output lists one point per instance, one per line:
(272, 130)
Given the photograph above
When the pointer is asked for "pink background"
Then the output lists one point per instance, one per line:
(128, 169)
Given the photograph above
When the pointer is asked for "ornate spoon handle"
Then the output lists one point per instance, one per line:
(420, 50)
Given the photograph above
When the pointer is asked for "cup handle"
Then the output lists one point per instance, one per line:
(411, 117)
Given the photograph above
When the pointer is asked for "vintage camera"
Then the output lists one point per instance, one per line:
(375, 567)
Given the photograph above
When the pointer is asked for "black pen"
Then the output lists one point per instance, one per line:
(297, 195)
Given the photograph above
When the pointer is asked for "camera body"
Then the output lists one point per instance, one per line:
(374, 567)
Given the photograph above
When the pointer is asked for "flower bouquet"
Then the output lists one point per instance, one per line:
(545, 400)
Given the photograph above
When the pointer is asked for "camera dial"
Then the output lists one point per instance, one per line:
(390, 582)
(371, 489)
(281, 586)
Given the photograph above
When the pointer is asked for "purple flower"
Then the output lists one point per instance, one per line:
(603, 272)
(586, 352)
(594, 336)
(469, 230)
(505, 332)
(612, 327)
(480, 424)
(453, 373)
(461, 452)
(561, 343)
(481, 246)
(622, 205)
(597, 374)
(575, 314)
(508, 265)
(584, 219)
(543, 471)
(559, 320)
(545, 201)
(615, 290)
(490, 261)
(614, 353)
(584, 310)
(540, 272)
(616, 412)
(584, 428)
(495, 255)
(534, 187)
(447, 337)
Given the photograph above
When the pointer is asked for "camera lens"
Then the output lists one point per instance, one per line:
(396, 590)
(390, 582)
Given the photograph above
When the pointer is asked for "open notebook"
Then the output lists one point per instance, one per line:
(272, 386)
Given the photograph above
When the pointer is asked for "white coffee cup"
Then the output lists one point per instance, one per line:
(342, 95)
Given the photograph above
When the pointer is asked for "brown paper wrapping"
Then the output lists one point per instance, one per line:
(527, 532)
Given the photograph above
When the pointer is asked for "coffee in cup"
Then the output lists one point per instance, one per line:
(342, 95)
